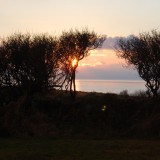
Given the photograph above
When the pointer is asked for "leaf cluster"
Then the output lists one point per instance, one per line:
(143, 52)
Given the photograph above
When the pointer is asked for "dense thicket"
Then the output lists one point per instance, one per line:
(32, 63)
(143, 52)
(91, 115)
(28, 62)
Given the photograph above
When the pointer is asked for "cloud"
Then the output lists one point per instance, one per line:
(104, 64)
(111, 42)
(114, 71)
(101, 57)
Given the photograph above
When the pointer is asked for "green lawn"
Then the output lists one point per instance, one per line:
(76, 149)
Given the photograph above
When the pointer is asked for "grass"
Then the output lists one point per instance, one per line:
(94, 116)
(79, 149)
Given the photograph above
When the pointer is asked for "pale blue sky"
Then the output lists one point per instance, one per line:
(110, 17)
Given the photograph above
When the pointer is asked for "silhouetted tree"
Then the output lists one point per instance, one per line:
(33, 63)
(44, 61)
(28, 62)
(73, 47)
(143, 52)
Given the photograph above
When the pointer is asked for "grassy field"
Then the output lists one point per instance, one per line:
(78, 149)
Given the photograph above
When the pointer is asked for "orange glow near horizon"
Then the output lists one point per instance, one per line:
(102, 57)
(74, 62)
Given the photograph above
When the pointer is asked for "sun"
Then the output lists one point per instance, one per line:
(74, 62)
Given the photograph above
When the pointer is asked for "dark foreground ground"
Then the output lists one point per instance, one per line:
(53, 114)
(79, 149)
(94, 115)
(95, 126)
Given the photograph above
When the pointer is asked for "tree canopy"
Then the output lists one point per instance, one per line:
(36, 62)
(143, 52)
(28, 61)
(74, 46)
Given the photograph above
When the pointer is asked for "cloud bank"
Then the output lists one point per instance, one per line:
(104, 64)
(111, 42)
(111, 72)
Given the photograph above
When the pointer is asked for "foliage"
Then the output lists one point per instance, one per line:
(28, 62)
(74, 46)
(38, 62)
(143, 52)
(139, 93)
(90, 115)
(124, 93)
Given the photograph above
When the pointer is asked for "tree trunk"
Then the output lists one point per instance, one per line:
(73, 86)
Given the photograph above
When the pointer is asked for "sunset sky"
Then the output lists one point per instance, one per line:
(113, 18)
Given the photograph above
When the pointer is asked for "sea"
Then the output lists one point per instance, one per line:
(110, 86)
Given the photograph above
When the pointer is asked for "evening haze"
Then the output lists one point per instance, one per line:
(114, 18)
